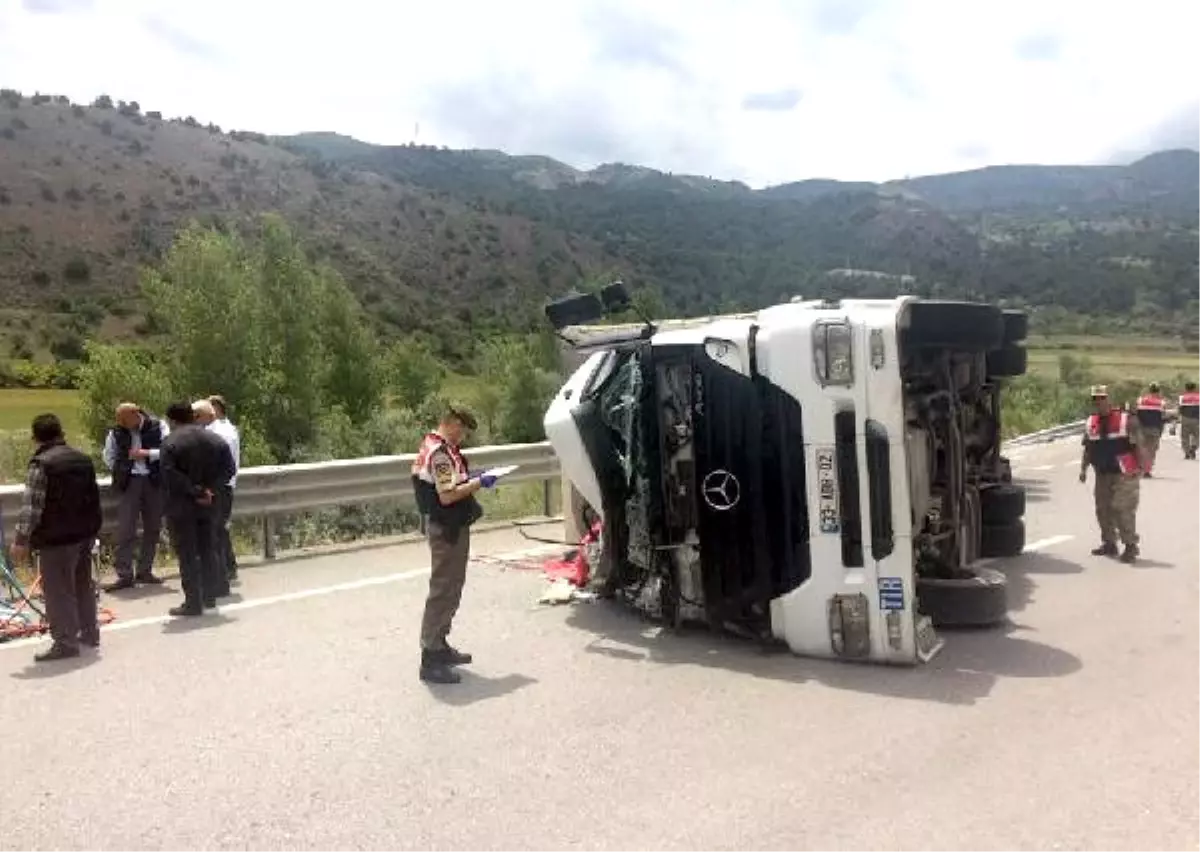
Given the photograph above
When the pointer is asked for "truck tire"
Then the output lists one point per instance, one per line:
(966, 326)
(1007, 361)
(977, 597)
(1016, 326)
(1002, 504)
(1002, 540)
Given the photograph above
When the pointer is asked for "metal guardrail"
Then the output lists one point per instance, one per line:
(1044, 436)
(268, 492)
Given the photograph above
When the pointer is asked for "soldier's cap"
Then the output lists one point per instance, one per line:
(1099, 391)
(462, 415)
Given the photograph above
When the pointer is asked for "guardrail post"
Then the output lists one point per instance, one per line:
(268, 536)
(547, 498)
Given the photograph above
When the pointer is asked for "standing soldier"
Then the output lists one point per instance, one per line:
(1110, 446)
(445, 496)
(1151, 415)
(1189, 420)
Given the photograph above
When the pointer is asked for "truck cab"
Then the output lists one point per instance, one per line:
(820, 474)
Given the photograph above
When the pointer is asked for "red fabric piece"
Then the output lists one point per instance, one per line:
(573, 566)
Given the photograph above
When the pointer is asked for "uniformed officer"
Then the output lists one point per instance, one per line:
(1110, 446)
(445, 495)
(1189, 420)
(1151, 417)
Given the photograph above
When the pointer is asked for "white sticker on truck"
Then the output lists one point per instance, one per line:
(827, 491)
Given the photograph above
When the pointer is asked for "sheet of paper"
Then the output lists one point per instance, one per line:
(503, 470)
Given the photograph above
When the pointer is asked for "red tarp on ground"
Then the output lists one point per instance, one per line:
(573, 566)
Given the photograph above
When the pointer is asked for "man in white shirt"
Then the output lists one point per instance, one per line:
(211, 413)
(131, 451)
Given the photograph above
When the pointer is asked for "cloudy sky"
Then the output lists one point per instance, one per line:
(763, 91)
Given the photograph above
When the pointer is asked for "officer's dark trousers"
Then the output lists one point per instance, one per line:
(193, 529)
(69, 594)
(226, 560)
(449, 550)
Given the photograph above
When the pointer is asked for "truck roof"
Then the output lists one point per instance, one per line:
(591, 334)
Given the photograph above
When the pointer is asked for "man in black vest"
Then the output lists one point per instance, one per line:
(60, 518)
(195, 464)
(445, 494)
(131, 452)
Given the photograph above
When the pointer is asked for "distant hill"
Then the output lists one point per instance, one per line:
(1166, 182)
(454, 243)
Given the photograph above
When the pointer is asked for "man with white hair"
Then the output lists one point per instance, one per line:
(210, 413)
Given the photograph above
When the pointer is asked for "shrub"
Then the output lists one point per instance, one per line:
(103, 102)
(76, 270)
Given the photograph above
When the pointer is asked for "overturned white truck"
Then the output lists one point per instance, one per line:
(825, 474)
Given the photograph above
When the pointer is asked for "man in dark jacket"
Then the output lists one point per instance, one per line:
(60, 518)
(131, 451)
(195, 464)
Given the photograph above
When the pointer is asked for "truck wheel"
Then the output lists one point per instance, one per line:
(1016, 326)
(1008, 361)
(967, 326)
(1002, 504)
(1001, 540)
(976, 597)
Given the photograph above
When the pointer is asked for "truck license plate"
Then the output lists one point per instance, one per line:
(827, 491)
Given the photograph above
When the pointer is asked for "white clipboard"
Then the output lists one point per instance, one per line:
(503, 470)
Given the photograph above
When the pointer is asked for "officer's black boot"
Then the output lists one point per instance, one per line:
(435, 669)
(1106, 549)
(1130, 555)
(455, 657)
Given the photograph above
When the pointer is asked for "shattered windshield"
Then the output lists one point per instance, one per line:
(621, 411)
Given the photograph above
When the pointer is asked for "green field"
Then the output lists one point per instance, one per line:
(1114, 359)
(19, 407)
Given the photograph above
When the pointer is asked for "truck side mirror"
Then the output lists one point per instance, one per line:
(578, 309)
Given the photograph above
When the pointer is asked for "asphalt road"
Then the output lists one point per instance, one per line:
(295, 719)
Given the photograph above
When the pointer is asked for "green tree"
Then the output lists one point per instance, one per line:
(115, 374)
(414, 373)
(353, 378)
(282, 339)
(523, 406)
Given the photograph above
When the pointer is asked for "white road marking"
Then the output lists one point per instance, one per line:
(1037, 467)
(286, 597)
(1043, 543)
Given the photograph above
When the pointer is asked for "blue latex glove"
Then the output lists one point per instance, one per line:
(486, 480)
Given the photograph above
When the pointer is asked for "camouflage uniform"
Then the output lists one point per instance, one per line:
(1189, 435)
(1117, 496)
(1151, 418)
(1110, 447)
(1189, 420)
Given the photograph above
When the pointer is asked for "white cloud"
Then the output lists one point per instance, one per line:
(855, 89)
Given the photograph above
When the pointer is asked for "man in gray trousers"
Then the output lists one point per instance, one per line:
(60, 517)
(131, 453)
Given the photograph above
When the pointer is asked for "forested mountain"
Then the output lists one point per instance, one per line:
(454, 243)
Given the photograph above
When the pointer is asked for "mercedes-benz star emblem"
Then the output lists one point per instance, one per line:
(721, 490)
